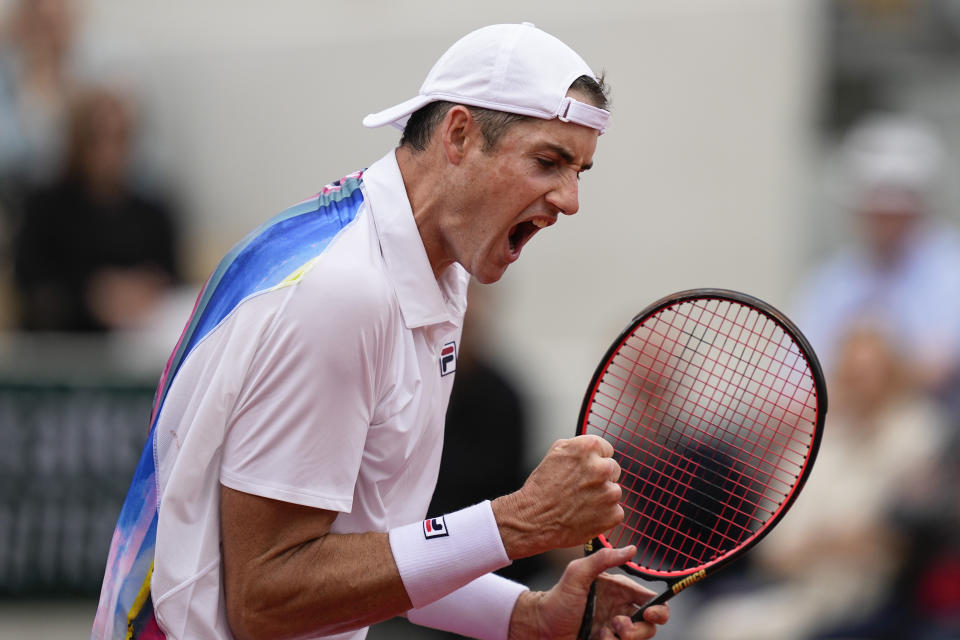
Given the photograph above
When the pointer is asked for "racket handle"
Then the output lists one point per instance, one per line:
(660, 599)
(587, 622)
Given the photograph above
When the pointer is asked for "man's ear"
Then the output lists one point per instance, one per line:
(456, 131)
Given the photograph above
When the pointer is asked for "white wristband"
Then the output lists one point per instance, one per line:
(440, 555)
(481, 609)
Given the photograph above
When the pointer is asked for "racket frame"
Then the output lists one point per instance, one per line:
(677, 581)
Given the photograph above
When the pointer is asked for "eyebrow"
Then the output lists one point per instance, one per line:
(567, 156)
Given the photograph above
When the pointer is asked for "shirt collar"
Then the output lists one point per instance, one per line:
(423, 300)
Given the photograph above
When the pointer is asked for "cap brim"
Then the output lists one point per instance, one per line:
(396, 115)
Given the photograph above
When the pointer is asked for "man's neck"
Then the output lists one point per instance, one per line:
(422, 184)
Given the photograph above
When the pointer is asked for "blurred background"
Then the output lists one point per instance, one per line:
(803, 151)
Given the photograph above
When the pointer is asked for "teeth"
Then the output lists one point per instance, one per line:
(539, 222)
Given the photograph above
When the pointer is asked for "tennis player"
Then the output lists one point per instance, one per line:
(297, 431)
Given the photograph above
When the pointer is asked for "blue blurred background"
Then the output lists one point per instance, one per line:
(803, 151)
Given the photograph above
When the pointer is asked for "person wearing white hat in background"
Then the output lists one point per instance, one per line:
(903, 270)
(883, 315)
(296, 438)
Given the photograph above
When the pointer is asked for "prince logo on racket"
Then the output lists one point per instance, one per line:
(305, 397)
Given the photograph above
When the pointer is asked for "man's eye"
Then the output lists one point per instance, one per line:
(546, 163)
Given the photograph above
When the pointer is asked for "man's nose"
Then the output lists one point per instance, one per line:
(565, 195)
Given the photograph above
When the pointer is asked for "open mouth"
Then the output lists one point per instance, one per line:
(521, 233)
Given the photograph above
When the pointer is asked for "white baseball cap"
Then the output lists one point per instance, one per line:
(515, 68)
(891, 150)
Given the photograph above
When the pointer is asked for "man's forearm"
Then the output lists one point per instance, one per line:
(324, 586)
(286, 575)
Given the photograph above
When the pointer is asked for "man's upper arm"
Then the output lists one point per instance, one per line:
(254, 527)
(286, 575)
(256, 532)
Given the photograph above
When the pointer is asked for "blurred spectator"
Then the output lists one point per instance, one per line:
(35, 88)
(927, 594)
(833, 560)
(36, 39)
(93, 252)
(904, 268)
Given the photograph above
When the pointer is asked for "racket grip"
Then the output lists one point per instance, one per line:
(587, 622)
(660, 599)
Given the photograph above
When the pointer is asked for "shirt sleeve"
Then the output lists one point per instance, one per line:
(300, 421)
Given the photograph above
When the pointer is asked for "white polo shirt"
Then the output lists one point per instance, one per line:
(328, 389)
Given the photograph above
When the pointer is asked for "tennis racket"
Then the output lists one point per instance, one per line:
(714, 403)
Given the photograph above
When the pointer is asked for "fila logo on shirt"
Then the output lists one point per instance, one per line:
(435, 528)
(448, 358)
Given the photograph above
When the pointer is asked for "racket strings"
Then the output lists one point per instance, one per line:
(637, 463)
(688, 344)
(670, 519)
(719, 397)
(624, 382)
(785, 382)
(635, 435)
(676, 515)
(648, 416)
(711, 407)
(750, 367)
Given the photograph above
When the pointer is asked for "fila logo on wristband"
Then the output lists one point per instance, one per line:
(448, 358)
(435, 528)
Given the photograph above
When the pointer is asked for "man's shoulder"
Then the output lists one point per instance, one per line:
(279, 252)
(349, 277)
(297, 235)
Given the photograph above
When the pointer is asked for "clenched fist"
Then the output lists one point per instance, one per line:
(569, 498)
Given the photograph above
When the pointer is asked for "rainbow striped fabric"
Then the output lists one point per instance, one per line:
(270, 256)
